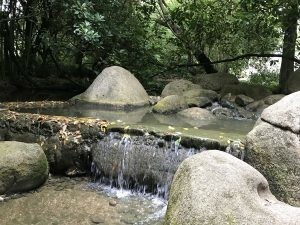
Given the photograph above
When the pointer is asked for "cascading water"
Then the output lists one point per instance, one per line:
(144, 164)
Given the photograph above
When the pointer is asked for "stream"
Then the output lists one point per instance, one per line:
(66, 201)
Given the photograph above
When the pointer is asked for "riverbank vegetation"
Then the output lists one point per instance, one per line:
(64, 44)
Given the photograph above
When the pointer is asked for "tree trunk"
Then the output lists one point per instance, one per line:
(288, 50)
(205, 62)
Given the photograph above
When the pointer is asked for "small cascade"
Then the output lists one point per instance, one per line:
(144, 164)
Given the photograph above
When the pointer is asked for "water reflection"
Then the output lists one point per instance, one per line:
(144, 116)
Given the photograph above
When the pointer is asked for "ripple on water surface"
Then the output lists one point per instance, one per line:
(67, 201)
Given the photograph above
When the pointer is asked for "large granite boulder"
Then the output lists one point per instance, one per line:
(215, 81)
(215, 188)
(170, 104)
(273, 147)
(23, 167)
(177, 87)
(293, 83)
(115, 87)
(256, 92)
(285, 113)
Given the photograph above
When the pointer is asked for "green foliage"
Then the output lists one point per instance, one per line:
(225, 28)
(140, 36)
(265, 78)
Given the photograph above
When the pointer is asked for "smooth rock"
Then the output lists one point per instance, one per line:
(197, 114)
(285, 113)
(212, 95)
(273, 147)
(97, 220)
(256, 92)
(216, 188)
(215, 81)
(243, 100)
(228, 101)
(254, 106)
(197, 117)
(177, 87)
(243, 113)
(272, 99)
(223, 113)
(170, 104)
(112, 202)
(115, 87)
(23, 167)
(201, 102)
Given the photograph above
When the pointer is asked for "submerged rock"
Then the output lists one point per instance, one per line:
(197, 117)
(23, 167)
(273, 147)
(115, 87)
(215, 188)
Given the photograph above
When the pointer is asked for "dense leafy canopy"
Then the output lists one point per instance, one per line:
(149, 37)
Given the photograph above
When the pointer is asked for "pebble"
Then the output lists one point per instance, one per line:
(127, 221)
(112, 203)
(97, 220)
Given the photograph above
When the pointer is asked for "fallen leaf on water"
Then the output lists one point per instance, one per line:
(171, 128)
(119, 121)
(186, 128)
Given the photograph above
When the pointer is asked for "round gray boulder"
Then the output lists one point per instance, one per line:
(216, 188)
(273, 147)
(116, 87)
(23, 167)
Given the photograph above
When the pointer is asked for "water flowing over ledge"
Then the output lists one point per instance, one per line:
(140, 157)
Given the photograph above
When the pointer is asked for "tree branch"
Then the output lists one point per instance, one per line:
(249, 55)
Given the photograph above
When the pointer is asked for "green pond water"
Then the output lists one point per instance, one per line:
(218, 129)
(65, 201)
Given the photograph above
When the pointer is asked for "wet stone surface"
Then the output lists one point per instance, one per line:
(66, 201)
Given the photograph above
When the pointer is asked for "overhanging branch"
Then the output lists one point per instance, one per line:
(241, 57)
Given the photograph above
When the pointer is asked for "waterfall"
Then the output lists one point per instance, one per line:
(144, 164)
